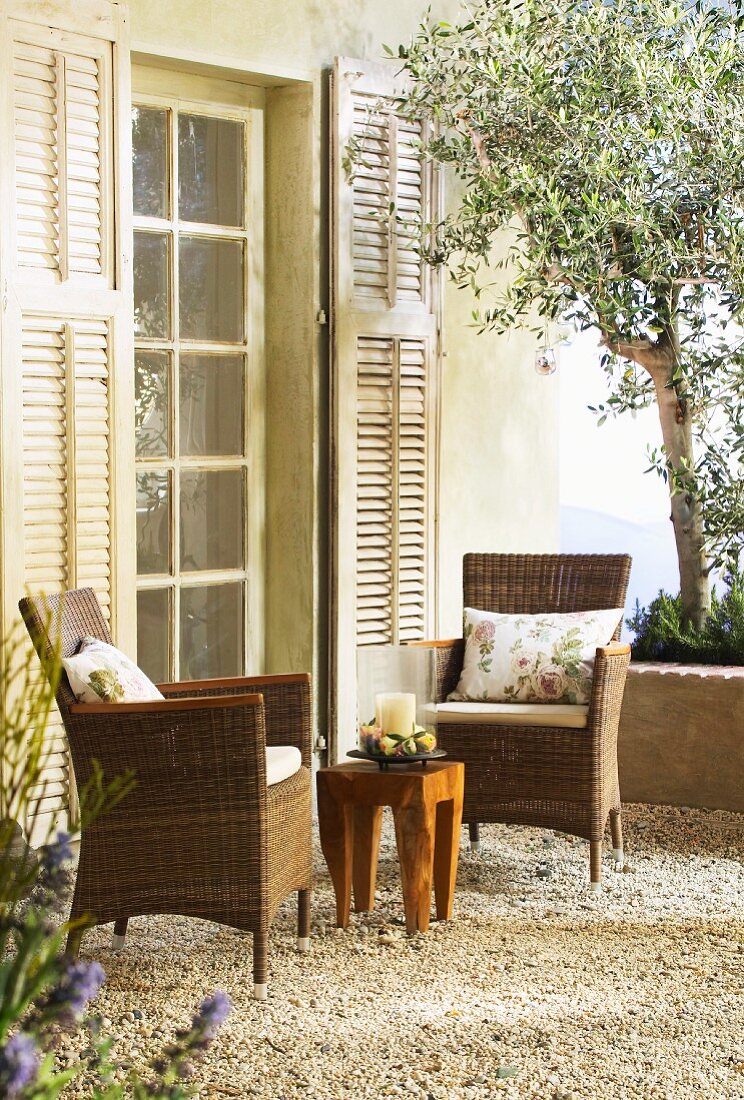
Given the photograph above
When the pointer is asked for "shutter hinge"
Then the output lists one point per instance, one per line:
(320, 744)
(321, 318)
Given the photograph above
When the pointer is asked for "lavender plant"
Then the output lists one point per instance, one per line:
(43, 992)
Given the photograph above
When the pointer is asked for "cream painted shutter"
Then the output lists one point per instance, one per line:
(66, 370)
(66, 457)
(63, 165)
(385, 340)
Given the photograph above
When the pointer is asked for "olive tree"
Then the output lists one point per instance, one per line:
(607, 139)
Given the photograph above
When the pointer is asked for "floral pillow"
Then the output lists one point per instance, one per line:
(101, 673)
(532, 658)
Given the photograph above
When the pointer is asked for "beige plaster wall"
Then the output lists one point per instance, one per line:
(499, 451)
(283, 37)
(499, 465)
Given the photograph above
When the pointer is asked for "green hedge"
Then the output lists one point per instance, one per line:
(661, 636)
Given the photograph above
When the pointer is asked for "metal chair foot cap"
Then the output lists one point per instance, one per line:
(618, 855)
(260, 991)
(117, 943)
(596, 887)
(474, 845)
(303, 943)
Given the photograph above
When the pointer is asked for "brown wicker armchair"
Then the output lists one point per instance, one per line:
(202, 833)
(557, 778)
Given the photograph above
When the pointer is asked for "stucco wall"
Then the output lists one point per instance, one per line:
(499, 456)
(499, 451)
(292, 37)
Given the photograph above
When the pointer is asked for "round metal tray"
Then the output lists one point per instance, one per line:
(384, 761)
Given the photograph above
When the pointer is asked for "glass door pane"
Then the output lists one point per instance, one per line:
(211, 153)
(150, 161)
(211, 295)
(212, 407)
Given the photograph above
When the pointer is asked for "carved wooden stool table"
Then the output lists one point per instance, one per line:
(427, 807)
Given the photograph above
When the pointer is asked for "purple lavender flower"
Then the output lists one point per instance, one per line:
(78, 985)
(54, 855)
(55, 874)
(191, 1044)
(19, 1062)
(213, 1011)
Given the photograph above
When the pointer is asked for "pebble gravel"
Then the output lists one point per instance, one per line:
(536, 988)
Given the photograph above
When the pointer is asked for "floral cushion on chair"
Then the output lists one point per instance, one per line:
(532, 658)
(101, 673)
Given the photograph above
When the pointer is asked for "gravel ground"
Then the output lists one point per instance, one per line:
(536, 988)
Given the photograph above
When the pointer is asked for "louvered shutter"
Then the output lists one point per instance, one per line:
(62, 152)
(385, 339)
(375, 503)
(65, 355)
(66, 457)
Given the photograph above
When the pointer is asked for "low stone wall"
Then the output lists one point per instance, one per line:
(681, 738)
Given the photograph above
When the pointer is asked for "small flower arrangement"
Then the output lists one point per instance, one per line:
(373, 741)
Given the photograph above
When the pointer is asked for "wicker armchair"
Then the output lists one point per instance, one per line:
(202, 833)
(557, 778)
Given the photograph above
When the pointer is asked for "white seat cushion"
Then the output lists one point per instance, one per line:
(281, 762)
(565, 715)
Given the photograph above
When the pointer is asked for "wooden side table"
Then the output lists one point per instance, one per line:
(427, 807)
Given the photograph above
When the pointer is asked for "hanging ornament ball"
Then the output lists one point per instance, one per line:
(545, 361)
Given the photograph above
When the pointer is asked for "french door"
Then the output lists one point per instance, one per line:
(197, 305)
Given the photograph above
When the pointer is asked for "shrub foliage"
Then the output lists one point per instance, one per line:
(663, 635)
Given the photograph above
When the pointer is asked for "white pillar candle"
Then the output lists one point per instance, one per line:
(396, 712)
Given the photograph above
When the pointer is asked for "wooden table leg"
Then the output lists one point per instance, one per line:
(415, 830)
(367, 827)
(446, 853)
(336, 839)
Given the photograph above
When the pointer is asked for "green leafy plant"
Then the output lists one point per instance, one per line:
(662, 634)
(43, 992)
(600, 147)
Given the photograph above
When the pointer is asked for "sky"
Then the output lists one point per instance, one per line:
(608, 503)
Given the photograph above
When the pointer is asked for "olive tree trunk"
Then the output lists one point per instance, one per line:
(686, 515)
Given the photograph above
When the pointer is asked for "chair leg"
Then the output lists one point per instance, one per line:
(260, 965)
(120, 931)
(74, 938)
(595, 866)
(474, 832)
(304, 898)
(616, 829)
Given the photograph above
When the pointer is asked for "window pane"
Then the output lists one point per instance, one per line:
(210, 170)
(211, 289)
(150, 161)
(211, 397)
(211, 519)
(211, 631)
(153, 522)
(153, 614)
(151, 285)
(151, 377)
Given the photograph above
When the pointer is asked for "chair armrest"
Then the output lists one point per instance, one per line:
(230, 683)
(287, 704)
(614, 649)
(166, 706)
(608, 684)
(450, 653)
